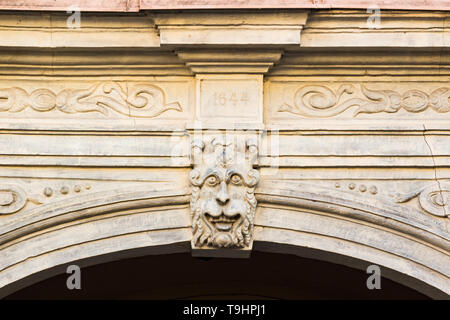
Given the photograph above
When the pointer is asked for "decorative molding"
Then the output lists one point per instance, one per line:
(291, 4)
(230, 61)
(434, 199)
(85, 206)
(223, 202)
(361, 188)
(226, 28)
(12, 199)
(362, 63)
(139, 100)
(321, 102)
(85, 62)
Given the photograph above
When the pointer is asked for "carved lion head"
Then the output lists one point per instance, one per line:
(223, 202)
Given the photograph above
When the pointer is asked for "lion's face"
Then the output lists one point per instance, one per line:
(224, 207)
(223, 203)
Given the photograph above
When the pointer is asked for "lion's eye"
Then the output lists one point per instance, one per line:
(236, 179)
(212, 180)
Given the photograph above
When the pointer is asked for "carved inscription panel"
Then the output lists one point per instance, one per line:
(229, 98)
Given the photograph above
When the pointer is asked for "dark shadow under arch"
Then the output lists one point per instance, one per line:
(287, 222)
(180, 276)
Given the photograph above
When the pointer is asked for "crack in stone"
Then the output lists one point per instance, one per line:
(434, 168)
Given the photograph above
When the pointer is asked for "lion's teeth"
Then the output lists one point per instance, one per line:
(223, 219)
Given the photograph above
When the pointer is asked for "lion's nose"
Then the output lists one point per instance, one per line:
(222, 196)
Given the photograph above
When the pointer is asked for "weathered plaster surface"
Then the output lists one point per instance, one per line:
(343, 129)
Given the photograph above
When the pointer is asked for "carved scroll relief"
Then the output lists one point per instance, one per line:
(140, 100)
(321, 102)
(12, 199)
(434, 199)
(223, 183)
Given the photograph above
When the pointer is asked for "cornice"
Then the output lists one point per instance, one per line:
(137, 5)
(79, 62)
(224, 29)
(230, 61)
(370, 29)
(125, 63)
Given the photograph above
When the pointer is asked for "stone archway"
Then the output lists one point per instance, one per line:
(95, 229)
(337, 226)
(331, 226)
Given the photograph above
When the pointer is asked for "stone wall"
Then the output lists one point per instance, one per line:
(317, 133)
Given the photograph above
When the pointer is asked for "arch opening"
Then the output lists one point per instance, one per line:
(264, 275)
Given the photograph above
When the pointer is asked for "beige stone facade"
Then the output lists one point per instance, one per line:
(320, 133)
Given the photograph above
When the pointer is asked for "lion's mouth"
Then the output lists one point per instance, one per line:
(222, 222)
